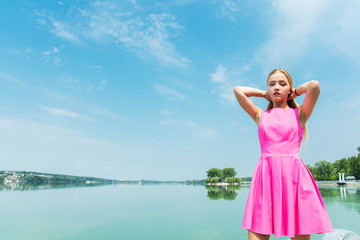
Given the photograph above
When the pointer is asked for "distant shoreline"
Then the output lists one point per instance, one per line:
(9, 177)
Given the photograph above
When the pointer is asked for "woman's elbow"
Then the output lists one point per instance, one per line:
(315, 85)
(237, 90)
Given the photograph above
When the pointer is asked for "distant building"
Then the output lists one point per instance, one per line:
(350, 179)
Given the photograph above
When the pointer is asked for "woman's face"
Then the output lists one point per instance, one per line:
(278, 87)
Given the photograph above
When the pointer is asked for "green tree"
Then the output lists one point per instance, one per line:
(354, 163)
(230, 180)
(342, 165)
(222, 176)
(229, 172)
(214, 180)
(213, 172)
(324, 170)
(313, 171)
(35, 179)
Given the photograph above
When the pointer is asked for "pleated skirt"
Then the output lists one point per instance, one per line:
(284, 199)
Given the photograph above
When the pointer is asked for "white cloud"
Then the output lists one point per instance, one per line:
(135, 5)
(64, 113)
(63, 30)
(298, 27)
(340, 30)
(156, 39)
(193, 127)
(223, 86)
(168, 92)
(108, 23)
(219, 76)
(53, 56)
(229, 8)
(293, 29)
(55, 50)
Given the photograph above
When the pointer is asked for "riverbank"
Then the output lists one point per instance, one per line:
(222, 184)
(334, 183)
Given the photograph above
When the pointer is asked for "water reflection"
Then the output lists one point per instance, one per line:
(348, 196)
(339, 192)
(222, 192)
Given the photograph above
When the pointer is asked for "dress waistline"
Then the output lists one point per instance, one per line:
(279, 154)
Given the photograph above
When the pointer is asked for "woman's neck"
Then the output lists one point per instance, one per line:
(283, 105)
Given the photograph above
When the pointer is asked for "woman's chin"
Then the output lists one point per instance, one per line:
(279, 99)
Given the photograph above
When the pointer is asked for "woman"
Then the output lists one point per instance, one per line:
(283, 197)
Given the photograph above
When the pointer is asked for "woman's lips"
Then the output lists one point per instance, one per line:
(276, 94)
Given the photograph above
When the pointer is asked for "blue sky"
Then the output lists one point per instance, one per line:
(144, 89)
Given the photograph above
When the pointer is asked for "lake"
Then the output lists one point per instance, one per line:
(148, 211)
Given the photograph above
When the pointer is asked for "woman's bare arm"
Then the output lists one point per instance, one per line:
(242, 95)
(312, 91)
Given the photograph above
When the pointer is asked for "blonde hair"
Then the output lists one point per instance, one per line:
(291, 103)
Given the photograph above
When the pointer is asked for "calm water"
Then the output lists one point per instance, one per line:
(146, 212)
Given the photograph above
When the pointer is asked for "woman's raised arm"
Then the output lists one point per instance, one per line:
(242, 95)
(312, 91)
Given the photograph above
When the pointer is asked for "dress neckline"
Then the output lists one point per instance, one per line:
(282, 109)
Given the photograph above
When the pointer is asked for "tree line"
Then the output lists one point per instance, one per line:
(42, 178)
(324, 170)
(216, 175)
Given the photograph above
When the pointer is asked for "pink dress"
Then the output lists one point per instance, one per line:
(283, 197)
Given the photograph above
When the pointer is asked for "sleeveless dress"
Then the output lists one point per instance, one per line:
(283, 197)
